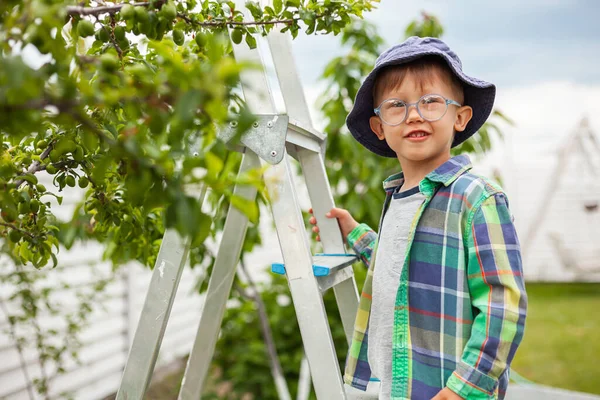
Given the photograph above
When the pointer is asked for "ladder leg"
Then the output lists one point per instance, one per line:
(148, 337)
(346, 292)
(304, 289)
(304, 382)
(219, 288)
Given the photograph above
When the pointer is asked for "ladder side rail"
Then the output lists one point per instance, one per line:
(313, 169)
(152, 324)
(304, 288)
(346, 292)
(219, 288)
(259, 99)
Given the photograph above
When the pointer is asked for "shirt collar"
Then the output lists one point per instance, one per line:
(445, 174)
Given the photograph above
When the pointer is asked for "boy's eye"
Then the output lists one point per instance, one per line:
(398, 103)
(432, 100)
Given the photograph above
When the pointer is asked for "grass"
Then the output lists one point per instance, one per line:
(561, 346)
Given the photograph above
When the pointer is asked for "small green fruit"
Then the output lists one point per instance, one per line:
(70, 181)
(144, 28)
(85, 28)
(200, 39)
(109, 62)
(141, 14)
(127, 12)
(14, 235)
(40, 188)
(169, 11)
(24, 208)
(41, 144)
(123, 44)
(55, 156)
(119, 33)
(83, 182)
(78, 154)
(51, 169)
(103, 35)
(178, 37)
(70, 146)
(34, 205)
(236, 36)
(9, 214)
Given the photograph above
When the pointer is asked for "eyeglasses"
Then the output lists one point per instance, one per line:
(431, 107)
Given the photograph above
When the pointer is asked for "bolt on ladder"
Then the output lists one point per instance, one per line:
(267, 143)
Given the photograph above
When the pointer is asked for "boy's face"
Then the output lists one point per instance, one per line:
(434, 146)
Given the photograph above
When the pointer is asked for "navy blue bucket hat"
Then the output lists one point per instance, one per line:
(478, 94)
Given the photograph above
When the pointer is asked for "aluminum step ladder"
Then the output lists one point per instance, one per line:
(267, 143)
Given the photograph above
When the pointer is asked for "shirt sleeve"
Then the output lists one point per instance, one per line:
(362, 240)
(497, 289)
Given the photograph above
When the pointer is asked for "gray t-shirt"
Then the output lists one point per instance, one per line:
(391, 250)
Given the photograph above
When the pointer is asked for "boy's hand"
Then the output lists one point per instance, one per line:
(345, 221)
(446, 394)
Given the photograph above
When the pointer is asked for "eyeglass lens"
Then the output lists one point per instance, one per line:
(431, 108)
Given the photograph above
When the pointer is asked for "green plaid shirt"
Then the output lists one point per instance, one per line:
(461, 301)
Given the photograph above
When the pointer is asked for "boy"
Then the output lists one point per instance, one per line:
(443, 306)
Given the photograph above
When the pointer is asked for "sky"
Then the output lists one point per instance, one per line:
(543, 56)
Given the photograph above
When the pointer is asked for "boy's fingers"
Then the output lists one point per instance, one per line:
(310, 210)
(315, 229)
(312, 220)
(318, 239)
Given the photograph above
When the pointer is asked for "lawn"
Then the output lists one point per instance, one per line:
(561, 346)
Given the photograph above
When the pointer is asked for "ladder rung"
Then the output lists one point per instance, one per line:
(323, 264)
(330, 269)
(307, 131)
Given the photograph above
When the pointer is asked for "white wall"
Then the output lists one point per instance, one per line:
(112, 323)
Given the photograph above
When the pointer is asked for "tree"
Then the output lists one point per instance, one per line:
(125, 106)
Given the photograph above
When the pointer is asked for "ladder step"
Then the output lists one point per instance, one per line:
(330, 269)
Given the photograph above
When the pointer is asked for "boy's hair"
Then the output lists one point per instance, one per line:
(425, 69)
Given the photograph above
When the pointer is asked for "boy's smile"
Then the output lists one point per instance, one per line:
(421, 144)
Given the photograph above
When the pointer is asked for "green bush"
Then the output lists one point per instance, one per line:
(241, 354)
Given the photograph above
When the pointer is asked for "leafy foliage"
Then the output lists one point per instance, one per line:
(240, 355)
(123, 101)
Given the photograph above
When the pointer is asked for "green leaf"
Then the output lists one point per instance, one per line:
(248, 207)
(251, 41)
(278, 5)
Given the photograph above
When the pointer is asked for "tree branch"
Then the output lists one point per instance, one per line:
(11, 226)
(36, 166)
(238, 23)
(79, 10)
(95, 11)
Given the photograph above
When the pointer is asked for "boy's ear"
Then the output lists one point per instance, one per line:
(377, 127)
(463, 116)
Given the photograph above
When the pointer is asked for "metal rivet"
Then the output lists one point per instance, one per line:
(269, 124)
(196, 154)
(233, 124)
(255, 125)
(273, 153)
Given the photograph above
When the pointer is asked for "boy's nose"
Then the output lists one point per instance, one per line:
(413, 114)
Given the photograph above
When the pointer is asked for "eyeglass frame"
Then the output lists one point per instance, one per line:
(416, 104)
